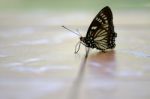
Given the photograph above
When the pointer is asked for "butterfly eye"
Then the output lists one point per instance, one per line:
(80, 38)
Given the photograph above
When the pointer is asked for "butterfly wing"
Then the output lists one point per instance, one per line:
(101, 30)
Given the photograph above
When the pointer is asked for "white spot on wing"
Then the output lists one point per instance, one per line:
(94, 27)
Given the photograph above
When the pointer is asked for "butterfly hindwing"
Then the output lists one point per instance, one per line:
(101, 30)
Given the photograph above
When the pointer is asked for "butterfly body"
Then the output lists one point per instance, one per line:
(101, 34)
(88, 42)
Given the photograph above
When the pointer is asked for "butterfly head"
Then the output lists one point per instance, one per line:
(82, 39)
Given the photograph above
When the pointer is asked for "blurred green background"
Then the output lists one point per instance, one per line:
(67, 5)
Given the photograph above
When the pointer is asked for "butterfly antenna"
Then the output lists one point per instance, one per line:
(71, 31)
(77, 30)
(77, 47)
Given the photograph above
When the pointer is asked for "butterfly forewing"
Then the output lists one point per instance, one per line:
(102, 30)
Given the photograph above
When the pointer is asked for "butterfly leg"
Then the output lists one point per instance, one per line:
(87, 51)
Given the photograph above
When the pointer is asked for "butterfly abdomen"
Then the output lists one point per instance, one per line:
(112, 40)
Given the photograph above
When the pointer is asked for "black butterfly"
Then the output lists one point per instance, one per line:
(100, 34)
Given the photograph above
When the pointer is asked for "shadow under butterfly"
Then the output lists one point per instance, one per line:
(100, 34)
(101, 67)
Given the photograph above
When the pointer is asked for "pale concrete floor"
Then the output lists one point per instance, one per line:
(37, 59)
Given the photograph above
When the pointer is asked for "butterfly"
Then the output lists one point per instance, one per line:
(100, 34)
